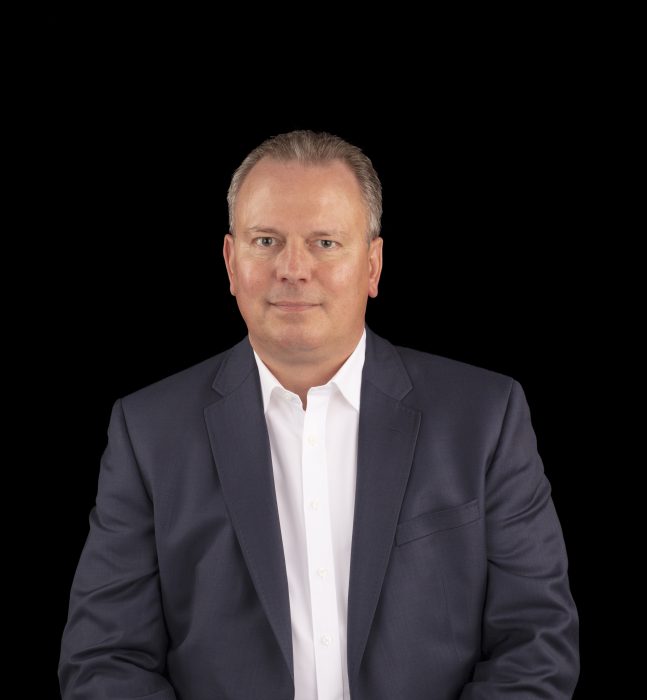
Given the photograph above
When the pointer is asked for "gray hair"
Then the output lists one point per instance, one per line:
(310, 148)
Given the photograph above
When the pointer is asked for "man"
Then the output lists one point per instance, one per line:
(316, 513)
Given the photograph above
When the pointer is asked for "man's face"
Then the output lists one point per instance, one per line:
(299, 264)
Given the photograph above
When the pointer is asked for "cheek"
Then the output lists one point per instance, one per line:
(252, 280)
(348, 279)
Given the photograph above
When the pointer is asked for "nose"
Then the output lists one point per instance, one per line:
(294, 263)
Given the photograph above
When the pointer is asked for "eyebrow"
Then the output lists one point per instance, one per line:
(276, 232)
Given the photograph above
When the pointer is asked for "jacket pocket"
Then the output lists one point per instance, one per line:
(435, 521)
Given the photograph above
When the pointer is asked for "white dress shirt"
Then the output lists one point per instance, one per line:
(314, 459)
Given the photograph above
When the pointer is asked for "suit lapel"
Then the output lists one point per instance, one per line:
(386, 442)
(241, 449)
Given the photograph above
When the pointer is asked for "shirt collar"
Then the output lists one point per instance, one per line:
(348, 378)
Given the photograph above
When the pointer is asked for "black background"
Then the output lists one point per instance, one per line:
(489, 191)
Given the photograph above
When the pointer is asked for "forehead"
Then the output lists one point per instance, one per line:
(294, 191)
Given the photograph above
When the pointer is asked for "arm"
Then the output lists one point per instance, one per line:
(530, 627)
(114, 642)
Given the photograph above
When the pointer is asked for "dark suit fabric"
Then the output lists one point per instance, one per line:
(459, 574)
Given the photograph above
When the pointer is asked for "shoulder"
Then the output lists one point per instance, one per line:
(182, 393)
(453, 380)
(454, 393)
(428, 363)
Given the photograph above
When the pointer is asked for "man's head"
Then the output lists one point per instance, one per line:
(304, 252)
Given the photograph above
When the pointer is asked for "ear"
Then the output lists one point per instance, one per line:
(228, 250)
(374, 265)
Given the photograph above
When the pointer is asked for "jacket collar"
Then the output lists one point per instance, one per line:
(382, 367)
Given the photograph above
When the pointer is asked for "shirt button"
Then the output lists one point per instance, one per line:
(325, 640)
(314, 504)
(312, 440)
(322, 572)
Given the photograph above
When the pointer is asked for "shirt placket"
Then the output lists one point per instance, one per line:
(321, 569)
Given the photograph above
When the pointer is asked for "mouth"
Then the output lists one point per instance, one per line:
(293, 305)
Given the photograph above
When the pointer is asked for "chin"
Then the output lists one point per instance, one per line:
(299, 339)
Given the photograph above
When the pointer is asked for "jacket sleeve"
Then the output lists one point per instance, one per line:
(530, 627)
(114, 642)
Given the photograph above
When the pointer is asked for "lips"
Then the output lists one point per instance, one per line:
(293, 305)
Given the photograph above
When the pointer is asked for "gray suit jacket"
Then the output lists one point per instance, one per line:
(458, 582)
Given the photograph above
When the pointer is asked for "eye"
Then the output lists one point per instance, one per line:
(329, 245)
(264, 241)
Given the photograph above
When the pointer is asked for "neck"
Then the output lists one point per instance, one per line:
(301, 372)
